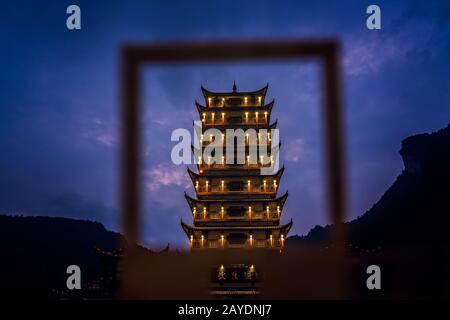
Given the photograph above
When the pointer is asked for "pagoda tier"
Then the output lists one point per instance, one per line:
(230, 184)
(219, 116)
(219, 211)
(223, 129)
(234, 98)
(253, 236)
(235, 205)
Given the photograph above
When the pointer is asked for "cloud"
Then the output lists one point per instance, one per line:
(99, 131)
(368, 55)
(294, 150)
(164, 175)
(106, 139)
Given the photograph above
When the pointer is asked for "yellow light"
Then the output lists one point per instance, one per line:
(203, 239)
(196, 185)
(223, 117)
(250, 211)
(191, 239)
(209, 101)
(223, 161)
(265, 115)
(209, 160)
(278, 211)
(207, 183)
(212, 117)
(223, 138)
(210, 138)
(204, 212)
(259, 137)
(264, 185)
(259, 100)
(251, 244)
(222, 239)
(249, 185)
(275, 184)
(271, 240)
(194, 212)
(245, 100)
(222, 184)
(222, 211)
(246, 117)
(282, 240)
(247, 139)
(268, 136)
(267, 211)
(248, 160)
(256, 116)
(204, 117)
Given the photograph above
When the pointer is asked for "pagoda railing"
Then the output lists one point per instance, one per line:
(224, 244)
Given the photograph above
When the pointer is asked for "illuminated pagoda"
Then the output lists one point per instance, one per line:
(235, 206)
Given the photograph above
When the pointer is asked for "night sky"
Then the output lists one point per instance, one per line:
(60, 91)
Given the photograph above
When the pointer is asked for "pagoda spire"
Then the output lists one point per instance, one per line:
(234, 87)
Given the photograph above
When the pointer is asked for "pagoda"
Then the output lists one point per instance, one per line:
(235, 205)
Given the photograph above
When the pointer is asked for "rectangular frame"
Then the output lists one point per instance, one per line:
(134, 56)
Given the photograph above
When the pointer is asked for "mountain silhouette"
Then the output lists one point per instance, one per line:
(414, 211)
(36, 252)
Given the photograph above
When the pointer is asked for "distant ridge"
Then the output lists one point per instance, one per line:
(414, 211)
(37, 250)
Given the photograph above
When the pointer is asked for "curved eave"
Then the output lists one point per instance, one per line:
(243, 126)
(191, 201)
(190, 229)
(287, 227)
(274, 125)
(200, 107)
(207, 93)
(267, 107)
(186, 228)
(194, 175)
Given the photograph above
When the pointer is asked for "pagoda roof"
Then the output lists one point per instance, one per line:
(207, 93)
(201, 108)
(282, 199)
(190, 229)
(226, 173)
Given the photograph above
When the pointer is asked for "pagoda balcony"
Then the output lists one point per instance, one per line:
(236, 147)
(239, 102)
(220, 166)
(231, 101)
(225, 192)
(236, 121)
(249, 244)
(254, 216)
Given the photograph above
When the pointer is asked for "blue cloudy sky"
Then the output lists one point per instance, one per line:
(59, 93)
